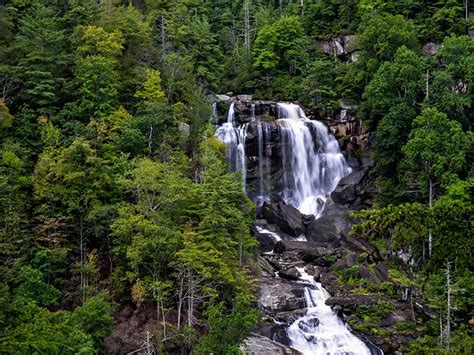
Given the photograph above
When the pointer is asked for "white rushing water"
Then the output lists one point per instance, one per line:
(234, 138)
(320, 330)
(312, 161)
(273, 235)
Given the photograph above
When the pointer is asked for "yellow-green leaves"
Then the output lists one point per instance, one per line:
(96, 41)
(152, 87)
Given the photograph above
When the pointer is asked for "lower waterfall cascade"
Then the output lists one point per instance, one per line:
(320, 331)
(311, 165)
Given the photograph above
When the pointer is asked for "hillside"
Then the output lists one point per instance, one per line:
(207, 176)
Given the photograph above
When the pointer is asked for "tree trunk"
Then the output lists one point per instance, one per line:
(180, 299)
(190, 299)
(430, 232)
(247, 27)
(150, 139)
(427, 83)
(448, 311)
(82, 257)
(163, 43)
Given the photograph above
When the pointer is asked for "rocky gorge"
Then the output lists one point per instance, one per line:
(371, 296)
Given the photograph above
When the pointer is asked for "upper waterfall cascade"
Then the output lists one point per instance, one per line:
(310, 158)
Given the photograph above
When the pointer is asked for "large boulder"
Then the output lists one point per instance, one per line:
(291, 273)
(350, 189)
(286, 217)
(277, 295)
(353, 300)
(331, 226)
(260, 345)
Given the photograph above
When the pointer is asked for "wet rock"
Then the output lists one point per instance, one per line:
(286, 217)
(329, 282)
(277, 295)
(267, 269)
(290, 274)
(329, 228)
(266, 240)
(308, 325)
(366, 274)
(315, 271)
(349, 188)
(353, 300)
(260, 345)
(284, 246)
(289, 317)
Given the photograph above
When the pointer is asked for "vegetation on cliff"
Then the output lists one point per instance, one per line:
(114, 193)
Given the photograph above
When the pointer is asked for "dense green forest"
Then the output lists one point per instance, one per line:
(106, 201)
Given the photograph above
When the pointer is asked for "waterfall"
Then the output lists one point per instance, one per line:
(311, 161)
(234, 139)
(300, 161)
(320, 331)
(214, 109)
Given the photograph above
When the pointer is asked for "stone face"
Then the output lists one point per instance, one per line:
(286, 217)
(290, 274)
(224, 98)
(350, 188)
(353, 300)
(431, 48)
(277, 295)
(381, 271)
(331, 226)
(244, 97)
(341, 46)
(184, 128)
(260, 345)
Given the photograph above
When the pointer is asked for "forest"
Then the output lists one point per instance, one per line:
(116, 197)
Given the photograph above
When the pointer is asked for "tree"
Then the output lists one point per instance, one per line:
(147, 232)
(228, 331)
(15, 183)
(279, 45)
(40, 57)
(69, 182)
(154, 113)
(383, 34)
(96, 75)
(436, 151)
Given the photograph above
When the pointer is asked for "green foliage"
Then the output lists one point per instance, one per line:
(383, 34)
(228, 331)
(436, 150)
(100, 193)
(94, 317)
(31, 328)
(278, 46)
(32, 287)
